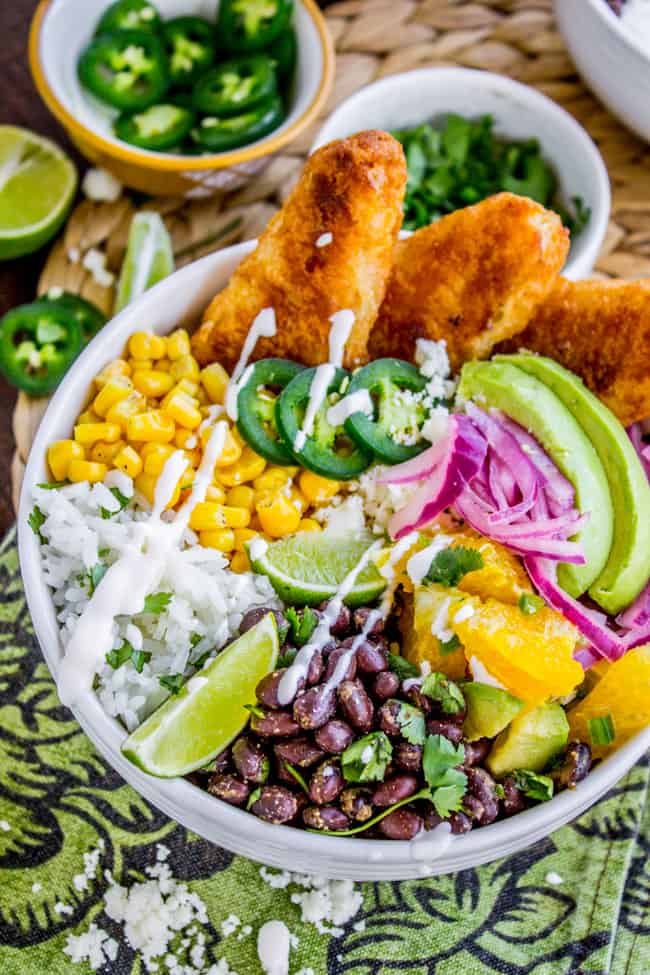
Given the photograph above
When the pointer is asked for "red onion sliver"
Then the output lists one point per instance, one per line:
(638, 614)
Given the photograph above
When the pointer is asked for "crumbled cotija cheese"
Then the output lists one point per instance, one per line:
(320, 900)
(101, 186)
(95, 262)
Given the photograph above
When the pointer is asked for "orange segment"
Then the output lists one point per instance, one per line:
(623, 692)
(502, 576)
(431, 611)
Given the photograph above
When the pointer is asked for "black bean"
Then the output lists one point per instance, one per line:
(415, 696)
(253, 617)
(223, 762)
(446, 728)
(229, 788)
(575, 766)
(350, 668)
(274, 724)
(301, 752)
(325, 817)
(394, 790)
(341, 625)
(360, 618)
(481, 802)
(431, 817)
(334, 737)
(408, 756)
(513, 799)
(372, 657)
(388, 722)
(315, 707)
(385, 685)
(460, 823)
(356, 802)
(326, 783)
(356, 705)
(250, 760)
(401, 824)
(275, 804)
(477, 751)
(267, 689)
(315, 668)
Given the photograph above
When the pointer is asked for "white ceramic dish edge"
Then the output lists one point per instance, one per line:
(520, 112)
(180, 298)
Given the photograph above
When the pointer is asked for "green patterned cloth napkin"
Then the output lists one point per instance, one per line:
(577, 902)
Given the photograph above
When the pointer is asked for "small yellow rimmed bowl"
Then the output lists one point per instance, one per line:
(62, 28)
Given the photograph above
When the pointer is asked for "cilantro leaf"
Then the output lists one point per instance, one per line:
(448, 646)
(302, 624)
(533, 785)
(115, 658)
(287, 658)
(254, 796)
(120, 498)
(36, 521)
(139, 658)
(451, 564)
(52, 485)
(530, 604)
(255, 710)
(402, 667)
(439, 756)
(366, 760)
(445, 692)
(156, 602)
(297, 776)
(172, 683)
(95, 576)
(411, 722)
(195, 639)
(448, 798)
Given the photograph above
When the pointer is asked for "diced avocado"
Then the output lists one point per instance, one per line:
(628, 566)
(533, 405)
(489, 710)
(530, 741)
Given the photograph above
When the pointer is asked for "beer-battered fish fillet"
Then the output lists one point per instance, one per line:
(601, 331)
(473, 278)
(350, 190)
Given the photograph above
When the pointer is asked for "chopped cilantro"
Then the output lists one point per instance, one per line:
(411, 722)
(402, 667)
(52, 485)
(156, 602)
(445, 692)
(602, 730)
(448, 646)
(297, 776)
(530, 604)
(499, 791)
(172, 683)
(448, 797)
(302, 624)
(447, 783)
(195, 639)
(36, 521)
(95, 576)
(366, 760)
(255, 710)
(451, 564)
(139, 658)
(115, 658)
(287, 658)
(120, 498)
(533, 785)
(254, 796)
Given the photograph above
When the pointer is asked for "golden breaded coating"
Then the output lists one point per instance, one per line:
(601, 331)
(352, 189)
(472, 278)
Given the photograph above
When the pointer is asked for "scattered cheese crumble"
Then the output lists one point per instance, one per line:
(4, 826)
(320, 900)
(101, 186)
(95, 262)
(325, 239)
(554, 878)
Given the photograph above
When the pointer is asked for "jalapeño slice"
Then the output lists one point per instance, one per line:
(37, 344)
(157, 128)
(190, 46)
(89, 316)
(129, 15)
(214, 134)
(256, 404)
(397, 416)
(236, 86)
(252, 25)
(127, 69)
(329, 451)
(284, 52)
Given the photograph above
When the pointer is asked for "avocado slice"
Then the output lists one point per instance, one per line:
(536, 408)
(628, 566)
(489, 710)
(530, 741)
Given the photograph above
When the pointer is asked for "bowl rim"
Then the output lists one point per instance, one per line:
(609, 19)
(285, 847)
(593, 234)
(168, 162)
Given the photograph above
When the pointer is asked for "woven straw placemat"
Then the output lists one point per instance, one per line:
(374, 38)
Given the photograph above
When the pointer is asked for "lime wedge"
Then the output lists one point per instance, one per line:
(308, 567)
(37, 186)
(188, 730)
(149, 258)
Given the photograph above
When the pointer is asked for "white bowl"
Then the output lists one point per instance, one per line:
(180, 299)
(610, 58)
(519, 112)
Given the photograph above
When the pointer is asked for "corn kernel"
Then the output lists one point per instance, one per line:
(309, 525)
(278, 516)
(223, 539)
(146, 485)
(112, 392)
(60, 454)
(187, 386)
(157, 347)
(155, 456)
(241, 497)
(133, 404)
(89, 416)
(185, 368)
(183, 411)
(194, 457)
(242, 536)
(298, 500)
(89, 433)
(128, 461)
(249, 466)
(105, 453)
(240, 563)
(178, 344)
(145, 345)
(318, 489)
(185, 439)
(215, 493)
(86, 470)
(118, 367)
(208, 516)
(140, 364)
(151, 426)
(187, 478)
(214, 380)
(203, 398)
(273, 479)
(152, 382)
(164, 365)
(232, 449)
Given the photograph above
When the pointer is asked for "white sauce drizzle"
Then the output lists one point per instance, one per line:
(359, 402)
(325, 239)
(264, 326)
(342, 323)
(136, 574)
(482, 675)
(273, 946)
(420, 563)
(429, 846)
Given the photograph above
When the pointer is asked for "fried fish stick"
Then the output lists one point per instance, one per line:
(329, 248)
(472, 278)
(601, 331)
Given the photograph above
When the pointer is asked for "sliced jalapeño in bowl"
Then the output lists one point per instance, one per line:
(156, 128)
(190, 46)
(251, 25)
(129, 15)
(236, 86)
(127, 69)
(215, 134)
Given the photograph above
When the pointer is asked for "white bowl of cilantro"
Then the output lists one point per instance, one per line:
(468, 134)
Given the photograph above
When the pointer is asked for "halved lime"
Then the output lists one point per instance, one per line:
(37, 186)
(149, 258)
(188, 730)
(308, 567)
